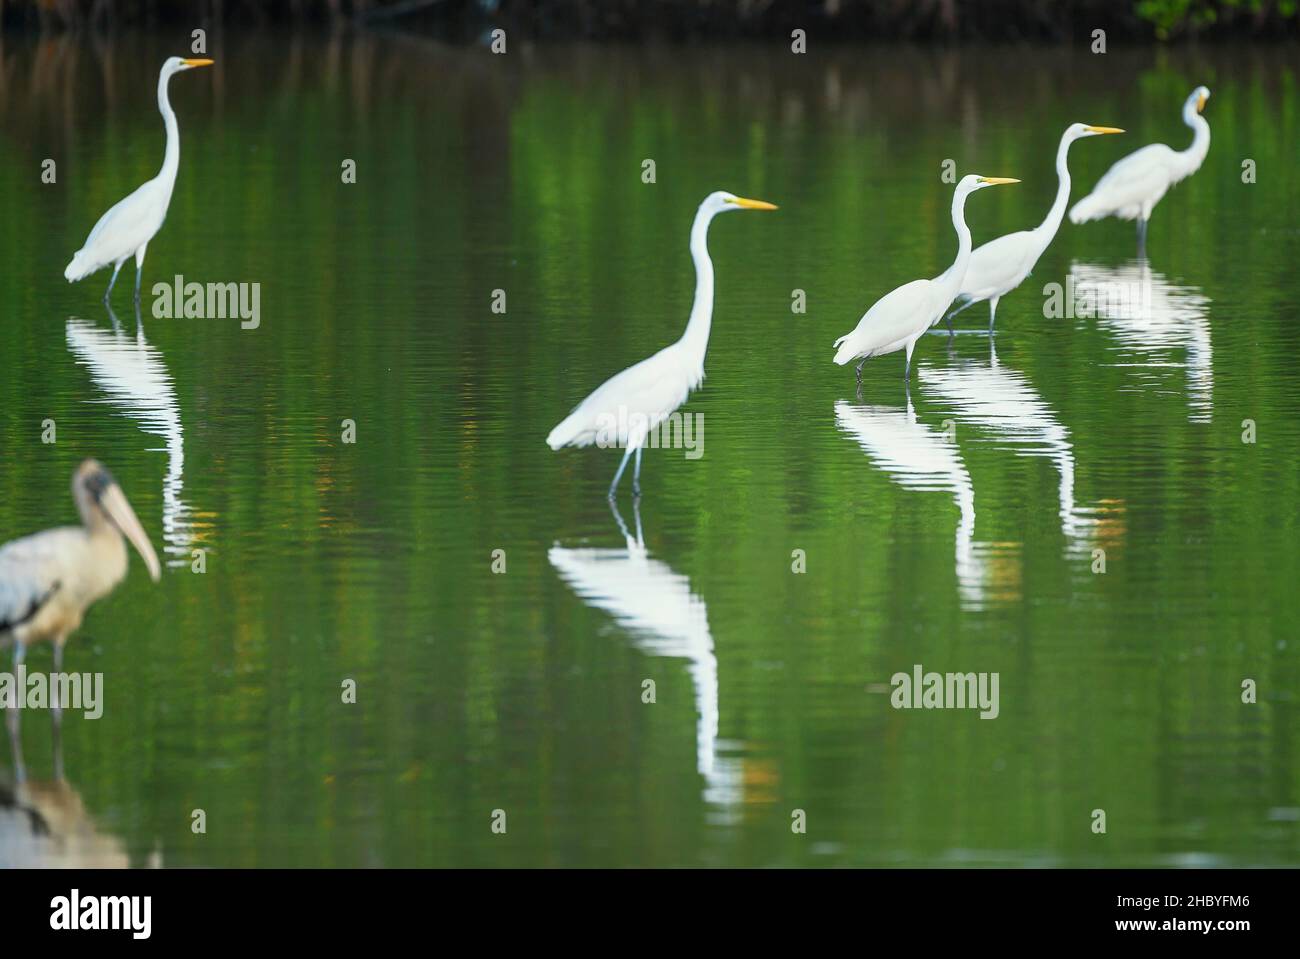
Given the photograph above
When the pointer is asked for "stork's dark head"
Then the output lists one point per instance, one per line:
(94, 478)
(100, 500)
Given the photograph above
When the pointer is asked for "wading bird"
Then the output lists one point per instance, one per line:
(628, 405)
(899, 318)
(126, 229)
(49, 579)
(1133, 186)
(1001, 265)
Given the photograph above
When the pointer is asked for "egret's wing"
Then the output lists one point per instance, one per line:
(998, 265)
(126, 219)
(1138, 168)
(651, 389)
(1142, 175)
(895, 317)
(29, 575)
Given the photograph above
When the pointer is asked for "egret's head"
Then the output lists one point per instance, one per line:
(722, 201)
(1198, 98)
(100, 499)
(177, 64)
(1077, 131)
(973, 181)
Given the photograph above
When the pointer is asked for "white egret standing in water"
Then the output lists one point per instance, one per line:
(1001, 265)
(627, 406)
(49, 579)
(899, 318)
(126, 229)
(1133, 186)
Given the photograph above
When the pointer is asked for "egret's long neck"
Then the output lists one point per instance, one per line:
(954, 275)
(1047, 229)
(696, 337)
(172, 158)
(1194, 155)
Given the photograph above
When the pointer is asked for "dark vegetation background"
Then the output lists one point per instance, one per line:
(920, 20)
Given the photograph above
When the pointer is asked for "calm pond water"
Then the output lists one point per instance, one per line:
(955, 526)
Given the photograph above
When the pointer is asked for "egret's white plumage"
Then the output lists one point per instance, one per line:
(49, 579)
(999, 266)
(629, 405)
(1133, 186)
(899, 318)
(126, 229)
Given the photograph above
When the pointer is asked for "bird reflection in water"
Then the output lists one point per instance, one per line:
(135, 378)
(1002, 403)
(919, 457)
(1158, 325)
(664, 618)
(45, 824)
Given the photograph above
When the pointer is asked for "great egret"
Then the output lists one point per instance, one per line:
(49, 579)
(1001, 265)
(1133, 186)
(628, 405)
(130, 224)
(899, 318)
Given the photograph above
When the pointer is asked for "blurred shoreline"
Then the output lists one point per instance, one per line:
(823, 21)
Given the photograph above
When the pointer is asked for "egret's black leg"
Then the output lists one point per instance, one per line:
(112, 280)
(139, 269)
(636, 513)
(613, 487)
(618, 518)
(948, 317)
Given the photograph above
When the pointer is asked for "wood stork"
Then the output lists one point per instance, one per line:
(49, 579)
